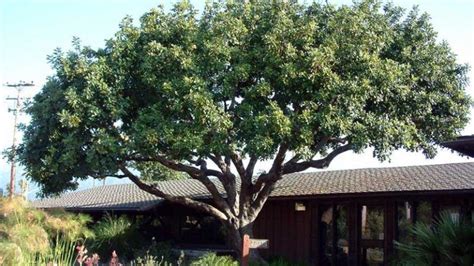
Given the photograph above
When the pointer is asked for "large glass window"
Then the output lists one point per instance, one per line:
(342, 252)
(423, 212)
(372, 235)
(372, 222)
(334, 245)
(201, 230)
(372, 256)
(452, 211)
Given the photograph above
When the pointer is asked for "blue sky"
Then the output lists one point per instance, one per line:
(32, 29)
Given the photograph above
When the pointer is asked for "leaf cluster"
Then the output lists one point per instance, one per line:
(245, 77)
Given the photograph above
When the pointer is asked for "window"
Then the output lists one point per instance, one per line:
(424, 212)
(372, 222)
(201, 230)
(452, 211)
(405, 220)
(334, 244)
(372, 256)
(372, 234)
(342, 251)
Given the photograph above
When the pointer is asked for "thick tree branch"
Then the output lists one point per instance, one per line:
(108, 175)
(279, 159)
(239, 165)
(211, 187)
(245, 184)
(261, 198)
(227, 160)
(201, 175)
(320, 145)
(216, 195)
(338, 140)
(245, 174)
(292, 167)
(317, 147)
(219, 162)
(200, 206)
(166, 162)
(180, 167)
(251, 166)
(266, 182)
(275, 172)
(228, 180)
(295, 158)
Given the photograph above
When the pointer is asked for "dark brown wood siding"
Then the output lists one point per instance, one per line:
(288, 230)
(294, 235)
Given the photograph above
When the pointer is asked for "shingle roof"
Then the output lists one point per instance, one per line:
(442, 177)
(458, 176)
(463, 144)
(123, 196)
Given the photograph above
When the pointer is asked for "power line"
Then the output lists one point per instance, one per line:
(18, 86)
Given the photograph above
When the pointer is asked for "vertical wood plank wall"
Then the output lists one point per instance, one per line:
(289, 230)
(294, 235)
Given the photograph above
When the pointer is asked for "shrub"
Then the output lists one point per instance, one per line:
(149, 260)
(160, 250)
(35, 237)
(211, 259)
(447, 242)
(68, 225)
(278, 261)
(116, 233)
(30, 237)
(10, 254)
(61, 252)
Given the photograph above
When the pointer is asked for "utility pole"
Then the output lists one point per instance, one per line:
(19, 86)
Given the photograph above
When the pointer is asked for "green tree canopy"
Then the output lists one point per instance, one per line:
(239, 83)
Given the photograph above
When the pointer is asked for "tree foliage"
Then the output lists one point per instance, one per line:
(244, 82)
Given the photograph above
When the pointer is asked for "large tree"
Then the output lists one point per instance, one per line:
(210, 95)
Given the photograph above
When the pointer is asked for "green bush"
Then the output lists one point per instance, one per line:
(119, 234)
(160, 250)
(149, 260)
(211, 259)
(31, 236)
(279, 261)
(10, 253)
(447, 242)
(62, 252)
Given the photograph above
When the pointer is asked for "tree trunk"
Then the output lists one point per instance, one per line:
(235, 236)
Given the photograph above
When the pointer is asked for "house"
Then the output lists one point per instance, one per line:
(323, 218)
